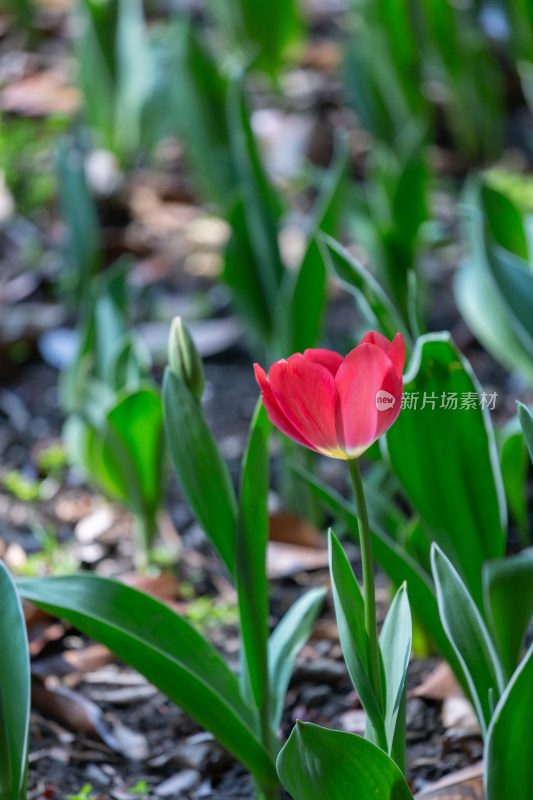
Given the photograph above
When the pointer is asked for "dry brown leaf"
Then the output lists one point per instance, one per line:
(458, 717)
(87, 659)
(285, 527)
(40, 95)
(440, 684)
(83, 716)
(284, 559)
(324, 56)
(466, 784)
(41, 628)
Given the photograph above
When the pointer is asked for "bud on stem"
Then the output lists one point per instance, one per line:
(184, 359)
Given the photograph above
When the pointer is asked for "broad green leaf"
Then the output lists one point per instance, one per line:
(485, 313)
(508, 589)
(133, 447)
(372, 86)
(446, 458)
(129, 363)
(526, 421)
(78, 211)
(504, 221)
(350, 614)
(508, 762)
(109, 314)
(482, 304)
(409, 202)
(286, 641)
(468, 636)
(135, 76)
(250, 556)
(168, 651)
(14, 692)
(262, 32)
(301, 313)
(260, 205)
(515, 466)
(397, 564)
(243, 278)
(198, 103)
(514, 279)
(97, 73)
(395, 646)
(320, 764)
(202, 474)
(372, 299)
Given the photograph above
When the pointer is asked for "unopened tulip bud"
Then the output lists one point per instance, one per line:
(184, 359)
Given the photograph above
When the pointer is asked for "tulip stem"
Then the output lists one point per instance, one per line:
(369, 589)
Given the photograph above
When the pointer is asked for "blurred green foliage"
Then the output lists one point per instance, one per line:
(27, 155)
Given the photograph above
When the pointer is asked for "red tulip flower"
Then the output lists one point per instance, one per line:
(334, 405)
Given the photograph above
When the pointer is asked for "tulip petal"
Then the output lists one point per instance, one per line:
(361, 414)
(374, 337)
(395, 349)
(274, 412)
(327, 358)
(305, 392)
(397, 354)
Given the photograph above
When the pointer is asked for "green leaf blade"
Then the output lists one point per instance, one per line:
(508, 588)
(508, 762)
(349, 611)
(284, 644)
(395, 645)
(250, 555)
(317, 763)
(446, 459)
(162, 646)
(14, 691)
(468, 635)
(202, 474)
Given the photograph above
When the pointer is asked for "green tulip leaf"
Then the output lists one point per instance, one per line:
(321, 764)
(260, 209)
(526, 421)
(504, 221)
(197, 104)
(398, 565)
(492, 290)
(468, 636)
(395, 645)
(250, 555)
(515, 466)
(262, 32)
(446, 459)
(202, 474)
(370, 296)
(350, 614)
(132, 449)
(14, 692)
(508, 762)
(163, 647)
(508, 587)
(286, 641)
